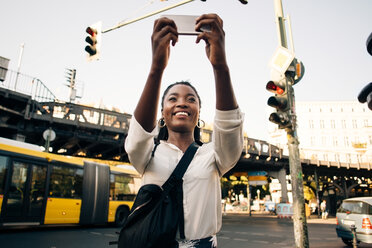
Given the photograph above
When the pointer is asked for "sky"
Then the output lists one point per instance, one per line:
(329, 37)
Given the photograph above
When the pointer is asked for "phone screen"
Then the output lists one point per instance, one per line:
(185, 23)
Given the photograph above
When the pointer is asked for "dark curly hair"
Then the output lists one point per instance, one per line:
(163, 132)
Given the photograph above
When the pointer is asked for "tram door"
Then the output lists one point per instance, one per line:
(24, 198)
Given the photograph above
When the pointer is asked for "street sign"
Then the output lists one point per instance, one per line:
(49, 134)
(282, 59)
(257, 178)
(257, 173)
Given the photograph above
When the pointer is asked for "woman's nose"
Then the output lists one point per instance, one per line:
(182, 103)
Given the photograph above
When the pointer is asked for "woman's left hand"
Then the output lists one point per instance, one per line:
(214, 37)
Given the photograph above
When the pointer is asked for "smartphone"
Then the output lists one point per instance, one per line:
(185, 24)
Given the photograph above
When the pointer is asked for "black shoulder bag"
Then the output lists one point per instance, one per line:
(157, 212)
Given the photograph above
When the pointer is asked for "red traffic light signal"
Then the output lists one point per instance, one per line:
(275, 87)
(93, 40)
(280, 102)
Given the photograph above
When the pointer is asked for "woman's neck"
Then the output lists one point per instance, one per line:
(181, 140)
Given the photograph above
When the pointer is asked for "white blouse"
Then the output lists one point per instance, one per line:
(201, 182)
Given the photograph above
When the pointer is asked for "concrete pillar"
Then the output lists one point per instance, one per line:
(283, 182)
(281, 176)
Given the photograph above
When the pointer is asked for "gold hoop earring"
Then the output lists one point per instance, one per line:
(161, 123)
(200, 124)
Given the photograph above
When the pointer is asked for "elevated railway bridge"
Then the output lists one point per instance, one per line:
(29, 111)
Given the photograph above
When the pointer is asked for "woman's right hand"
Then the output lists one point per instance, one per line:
(164, 33)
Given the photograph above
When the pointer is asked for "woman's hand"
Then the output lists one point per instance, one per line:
(164, 33)
(214, 39)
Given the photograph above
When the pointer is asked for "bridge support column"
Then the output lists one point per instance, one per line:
(281, 176)
(283, 182)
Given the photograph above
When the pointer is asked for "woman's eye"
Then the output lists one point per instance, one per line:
(192, 99)
(172, 99)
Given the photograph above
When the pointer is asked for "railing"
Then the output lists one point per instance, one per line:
(70, 113)
(27, 85)
(339, 159)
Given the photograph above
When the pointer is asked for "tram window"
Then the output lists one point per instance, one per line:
(122, 188)
(66, 182)
(3, 171)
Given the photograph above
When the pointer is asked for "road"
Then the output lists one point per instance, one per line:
(262, 231)
(238, 231)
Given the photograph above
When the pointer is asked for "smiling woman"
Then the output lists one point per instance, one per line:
(180, 104)
(179, 128)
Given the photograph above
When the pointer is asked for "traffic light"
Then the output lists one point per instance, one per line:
(369, 44)
(365, 95)
(281, 102)
(70, 76)
(94, 41)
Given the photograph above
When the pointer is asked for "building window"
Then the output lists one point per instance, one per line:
(321, 123)
(346, 140)
(337, 157)
(343, 123)
(348, 157)
(312, 140)
(333, 125)
(370, 139)
(311, 124)
(335, 141)
(355, 124)
(325, 157)
(366, 123)
(324, 140)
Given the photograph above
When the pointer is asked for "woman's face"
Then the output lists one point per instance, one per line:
(181, 109)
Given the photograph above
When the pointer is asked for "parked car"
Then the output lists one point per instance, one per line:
(358, 212)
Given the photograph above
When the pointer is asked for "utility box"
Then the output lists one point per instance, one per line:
(4, 62)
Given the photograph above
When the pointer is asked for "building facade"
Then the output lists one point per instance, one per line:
(337, 131)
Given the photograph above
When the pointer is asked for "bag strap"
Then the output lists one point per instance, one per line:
(181, 167)
(183, 164)
(176, 177)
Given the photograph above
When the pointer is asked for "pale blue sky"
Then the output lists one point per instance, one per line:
(329, 37)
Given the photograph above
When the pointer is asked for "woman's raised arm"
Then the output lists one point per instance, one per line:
(215, 49)
(164, 34)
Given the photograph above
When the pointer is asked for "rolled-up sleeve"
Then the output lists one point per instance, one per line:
(139, 145)
(228, 138)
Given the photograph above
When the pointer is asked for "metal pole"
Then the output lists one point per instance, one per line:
(317, 191)
(280, 23)
(353, 231)
(299, 216)
(147, 15)
(19, 65)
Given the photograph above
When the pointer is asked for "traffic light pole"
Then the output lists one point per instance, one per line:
(299, 217)
(147, 15)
